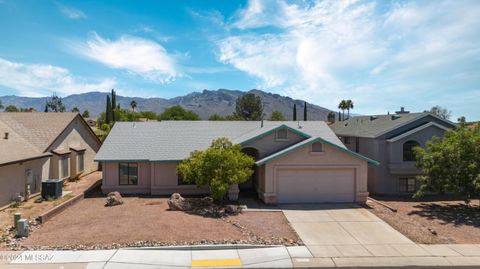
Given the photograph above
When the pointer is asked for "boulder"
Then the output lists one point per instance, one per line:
(177, 202)
(233, 209)
(114, 198)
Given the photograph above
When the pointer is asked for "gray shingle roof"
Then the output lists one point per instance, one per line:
(37, 128)
(373, 126)
(175, 140)
(15, 148)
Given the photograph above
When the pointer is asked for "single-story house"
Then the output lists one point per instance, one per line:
(390, 139)
(36, 146)
(295, 162)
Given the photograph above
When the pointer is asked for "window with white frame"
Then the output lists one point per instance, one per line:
(64, 166)
(281, 134)
(317, 147)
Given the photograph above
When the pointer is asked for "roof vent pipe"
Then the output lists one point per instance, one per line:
(6, 135)
(261, 123)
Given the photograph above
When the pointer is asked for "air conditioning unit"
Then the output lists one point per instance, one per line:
(52, 188)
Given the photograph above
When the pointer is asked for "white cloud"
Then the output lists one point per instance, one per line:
(329, 50)
(40, 80)
(72, 13)
(136, 55)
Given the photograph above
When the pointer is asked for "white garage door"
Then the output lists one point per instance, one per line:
(315, 185)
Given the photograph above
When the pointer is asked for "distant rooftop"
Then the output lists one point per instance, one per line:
(376, 125)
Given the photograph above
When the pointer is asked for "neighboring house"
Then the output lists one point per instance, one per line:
(390, 139)
(37, 146)
(295, 161)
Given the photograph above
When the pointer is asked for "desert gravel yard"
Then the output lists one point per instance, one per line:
(147, 221)
(430, 220)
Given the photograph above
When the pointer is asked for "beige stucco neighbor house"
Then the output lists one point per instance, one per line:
(36, 146)
(296, 162)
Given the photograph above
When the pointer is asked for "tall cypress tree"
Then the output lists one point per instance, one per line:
(46, 108)
(305, 111)
(114, 104)
(108, 111)
(294, 112)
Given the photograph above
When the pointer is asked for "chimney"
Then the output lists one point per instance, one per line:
(261, 123)
(6, 135)
(402, 111)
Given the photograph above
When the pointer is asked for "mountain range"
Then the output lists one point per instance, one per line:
(203, 103)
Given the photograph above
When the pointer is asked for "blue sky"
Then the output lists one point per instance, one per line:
(380, 54)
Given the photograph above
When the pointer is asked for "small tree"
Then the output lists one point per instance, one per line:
(343, 107)
(451, 164)
(86, 114)
(441, 112)
(114, 104)
(331, 116)
(276, 116)
(108, 111)
(11, 108)
(348, 105)
(133, 105)
(249, 107)
(55, 104)
(75, 109)
(294, 112)
(178, 113)
(216, 117)
(219, 167)
(1, 106)
(305, 111)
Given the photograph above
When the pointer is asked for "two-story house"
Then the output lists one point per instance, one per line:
(390, 140)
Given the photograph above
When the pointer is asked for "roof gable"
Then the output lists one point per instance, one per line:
(38, 128)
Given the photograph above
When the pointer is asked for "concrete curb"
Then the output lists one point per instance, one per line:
(206, 247)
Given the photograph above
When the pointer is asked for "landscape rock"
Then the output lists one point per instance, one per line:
(233, 209)
(177, 202)
(114, 198)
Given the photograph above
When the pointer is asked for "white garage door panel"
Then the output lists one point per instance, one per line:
(315, 185)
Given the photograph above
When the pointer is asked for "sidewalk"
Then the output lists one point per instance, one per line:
(431, 256)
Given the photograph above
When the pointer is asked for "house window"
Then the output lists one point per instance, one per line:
(64, 165)
(408, 152)
(281, 134)
(317, 147)
(346, 140)
(407, 184)
(128, 174)
(81, 161)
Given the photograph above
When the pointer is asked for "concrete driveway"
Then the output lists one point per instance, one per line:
(342, 230)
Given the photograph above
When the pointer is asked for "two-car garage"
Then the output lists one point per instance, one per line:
(314, 184)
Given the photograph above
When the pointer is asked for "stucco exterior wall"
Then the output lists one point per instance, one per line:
(13, 178)
(268, 144)
(75, 134)
(383, 179)
(330, 158)
(156, 178)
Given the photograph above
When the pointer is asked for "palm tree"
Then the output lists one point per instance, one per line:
(343, 106)
(133, 104)
(349, 104)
